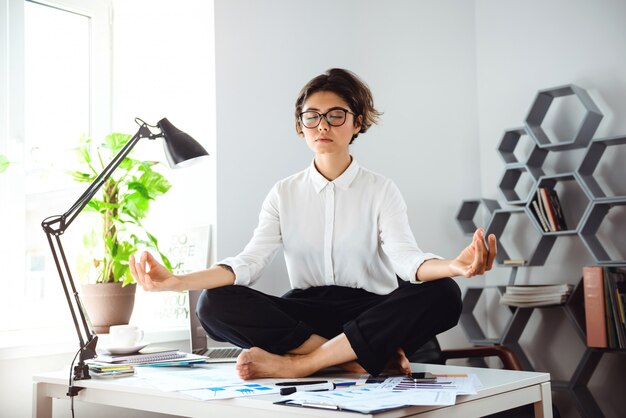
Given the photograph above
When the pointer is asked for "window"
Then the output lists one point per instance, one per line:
(56, 68)
(56, 71)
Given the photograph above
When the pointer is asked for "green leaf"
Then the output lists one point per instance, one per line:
(81, 177)
(116, 141)
(120, 260)
(166, 261)
(4, 163)
(127, 164)
(128, 278)
(83, 154)
(90, 239)
(139, 187)
(136, 204)
(155, 182)
(94, 205)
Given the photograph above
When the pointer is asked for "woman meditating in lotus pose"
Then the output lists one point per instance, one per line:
(364, 296)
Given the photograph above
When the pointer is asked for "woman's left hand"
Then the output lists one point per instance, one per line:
(476, 258)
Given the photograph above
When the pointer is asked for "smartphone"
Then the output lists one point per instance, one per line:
(423, 377)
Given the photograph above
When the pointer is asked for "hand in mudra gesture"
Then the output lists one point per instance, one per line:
(476, 258)
(151, 274)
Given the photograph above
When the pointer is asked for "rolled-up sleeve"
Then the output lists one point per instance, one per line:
(397, 240)
(266, 240)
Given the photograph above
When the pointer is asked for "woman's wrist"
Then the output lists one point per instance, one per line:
(434, 268)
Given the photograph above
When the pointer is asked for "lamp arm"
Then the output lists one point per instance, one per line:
(55, 226)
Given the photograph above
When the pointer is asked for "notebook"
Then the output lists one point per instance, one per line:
(199, 340)
(145, 355)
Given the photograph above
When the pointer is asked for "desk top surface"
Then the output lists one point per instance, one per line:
(494, 381)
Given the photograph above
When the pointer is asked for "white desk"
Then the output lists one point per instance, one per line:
(502, 390)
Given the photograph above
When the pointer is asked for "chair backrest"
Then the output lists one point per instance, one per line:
(428, 353)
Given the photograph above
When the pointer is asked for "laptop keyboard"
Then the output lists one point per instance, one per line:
(223, 352)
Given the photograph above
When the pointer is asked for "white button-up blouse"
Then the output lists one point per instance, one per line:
(351, 232)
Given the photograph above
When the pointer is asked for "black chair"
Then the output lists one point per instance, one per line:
(432, 353)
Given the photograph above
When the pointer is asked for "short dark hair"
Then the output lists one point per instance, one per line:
(350, 88)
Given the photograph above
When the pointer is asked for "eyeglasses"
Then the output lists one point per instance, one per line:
(334, 117)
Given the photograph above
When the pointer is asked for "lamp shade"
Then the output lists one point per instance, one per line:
(180, 148)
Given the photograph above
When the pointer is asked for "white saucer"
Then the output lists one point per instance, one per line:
(125, 350)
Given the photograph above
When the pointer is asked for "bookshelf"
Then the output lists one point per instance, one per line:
(587, 207)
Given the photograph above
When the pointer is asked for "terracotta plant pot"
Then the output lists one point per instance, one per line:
(108, 304)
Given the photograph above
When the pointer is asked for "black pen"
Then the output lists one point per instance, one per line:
(318, 387)
(301, 382)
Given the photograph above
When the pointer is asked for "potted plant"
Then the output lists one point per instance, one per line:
(122, 203)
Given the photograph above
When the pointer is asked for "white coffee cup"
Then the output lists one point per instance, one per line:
(125, 335)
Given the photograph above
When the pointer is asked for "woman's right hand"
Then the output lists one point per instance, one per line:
(151, 275)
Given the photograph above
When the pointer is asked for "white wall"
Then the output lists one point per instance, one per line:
(421, 72)
(164, 67)
(523, 47)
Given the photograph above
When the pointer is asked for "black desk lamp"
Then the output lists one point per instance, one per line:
(181, 150)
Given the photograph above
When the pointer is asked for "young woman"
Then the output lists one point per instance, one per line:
(364, 296)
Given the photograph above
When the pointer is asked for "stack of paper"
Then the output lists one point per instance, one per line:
(526, 296)
(392, 392)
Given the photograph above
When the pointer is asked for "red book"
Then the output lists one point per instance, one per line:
(595, 318)
(551, 217)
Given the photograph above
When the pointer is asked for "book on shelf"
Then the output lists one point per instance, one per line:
(542, 210)
(557, 300)
(548, 210)
(536, 295)
(595, 320)
(540, 289)
(555, 203)
(605, 297)
(616, 288)
(514, 262)
(539, 215)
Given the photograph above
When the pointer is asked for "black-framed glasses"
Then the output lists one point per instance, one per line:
(335, 117)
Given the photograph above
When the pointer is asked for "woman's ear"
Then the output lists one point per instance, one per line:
(358, 123)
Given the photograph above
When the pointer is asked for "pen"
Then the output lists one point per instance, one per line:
(307, 388)
(339, 384)
(301, 382)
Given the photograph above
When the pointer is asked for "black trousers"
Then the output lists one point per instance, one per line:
(375, 325)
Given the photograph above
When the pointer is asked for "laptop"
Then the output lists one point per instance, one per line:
(216, 352)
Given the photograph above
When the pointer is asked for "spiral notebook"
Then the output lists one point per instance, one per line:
(143, 356)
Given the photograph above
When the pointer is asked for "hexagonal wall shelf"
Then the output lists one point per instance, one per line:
(589, 210)
(540, 108)
(510, 180)
(511, 141)
(498, 223)
(573, 202)
(590, 224)
(469, 209)
(470, 325)
(592, 159)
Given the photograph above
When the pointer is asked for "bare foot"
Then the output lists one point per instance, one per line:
(352, 367)
(257, 363)
(399, 363)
